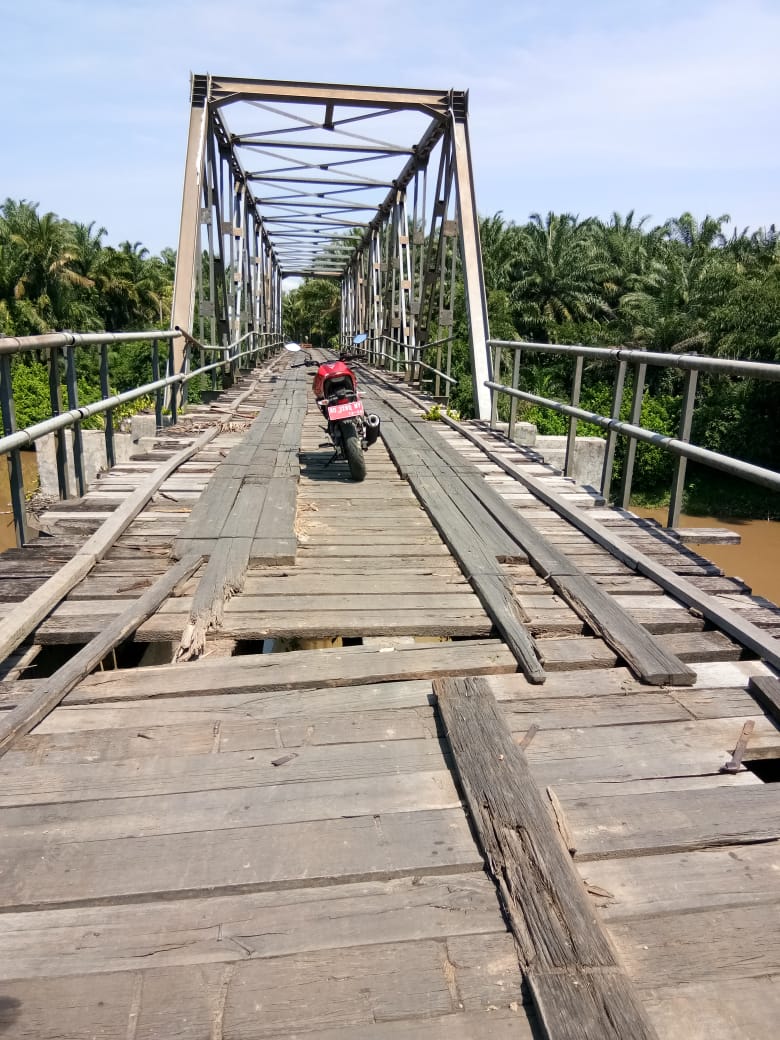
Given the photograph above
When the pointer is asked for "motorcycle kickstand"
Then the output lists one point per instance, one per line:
(333, 458)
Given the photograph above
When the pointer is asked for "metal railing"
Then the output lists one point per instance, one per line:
(392, 355)
(169, 392)
(639, 360)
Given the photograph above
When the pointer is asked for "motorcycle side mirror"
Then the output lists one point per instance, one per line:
(292, 347)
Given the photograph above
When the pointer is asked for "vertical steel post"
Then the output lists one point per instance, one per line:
(71, 383)
(15, 472)
(634, 418)
(678, 480)
(609, 451)
(60, 441)
(471, 254)
(513, 401)
(189, 229)
(571, 436)
(158, 394)
(494, 393)
(105, 390)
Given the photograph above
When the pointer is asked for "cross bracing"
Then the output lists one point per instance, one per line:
(371, 186)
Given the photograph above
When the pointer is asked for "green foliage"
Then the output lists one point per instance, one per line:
(436, 411)
(311, 313)
(57, 275)
(681, 286)
(31, 392)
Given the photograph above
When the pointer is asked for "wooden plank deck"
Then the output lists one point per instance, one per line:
(255, 844)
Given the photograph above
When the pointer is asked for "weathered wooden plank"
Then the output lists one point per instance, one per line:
(578, 988)
(583, 711)
(704, 879)
(357, 990)
(272, 857)
(265, 924)
(135, 778)
(353, 622)
(712, 676)
(25, 716)
(222, 578)
(43, 826)
(308, 705)
(672, 822)
(721, 944)
(766, 691)
(715, 1010)
(647, 657)
(638, 751)
(298, 670)
(214, 735)
(574, 653)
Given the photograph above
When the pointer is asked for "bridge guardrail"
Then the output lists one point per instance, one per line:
(52, 344)
(680, 446)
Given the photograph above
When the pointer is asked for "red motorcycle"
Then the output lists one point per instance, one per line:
(351, 429)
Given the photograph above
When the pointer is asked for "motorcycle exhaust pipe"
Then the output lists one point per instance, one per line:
(372, 424)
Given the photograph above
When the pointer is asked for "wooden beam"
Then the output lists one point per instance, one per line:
(579, 989)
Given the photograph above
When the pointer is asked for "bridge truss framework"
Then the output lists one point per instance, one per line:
(304, 181)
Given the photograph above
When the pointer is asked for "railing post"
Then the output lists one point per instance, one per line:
(109, 420)
(15, 472)
(634, 419)
(513, 400)
(494, 393)
(680, 464)
(73, 402)
(447, 384)
(571, 436)
(609, 451)
(158, 394)
(60, 444)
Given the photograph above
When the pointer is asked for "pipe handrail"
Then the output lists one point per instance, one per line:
(755, 369)
(26, 437)
(59, 340)
(735, 467)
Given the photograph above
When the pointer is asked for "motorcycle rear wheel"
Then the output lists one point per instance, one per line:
(353, 452)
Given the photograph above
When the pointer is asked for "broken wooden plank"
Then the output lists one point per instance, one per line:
(52, 690)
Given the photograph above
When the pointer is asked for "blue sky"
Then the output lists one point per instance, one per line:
(586, 107)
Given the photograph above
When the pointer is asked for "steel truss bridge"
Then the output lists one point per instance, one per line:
(455, 751)
(372, 186)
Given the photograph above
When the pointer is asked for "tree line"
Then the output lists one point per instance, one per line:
(56, 275)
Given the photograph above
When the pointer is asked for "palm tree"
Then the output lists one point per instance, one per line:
(558, 274)
(45, 278)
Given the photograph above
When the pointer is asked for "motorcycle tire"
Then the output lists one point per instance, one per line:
(353, 452)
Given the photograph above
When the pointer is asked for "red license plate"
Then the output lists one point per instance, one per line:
(346, 410)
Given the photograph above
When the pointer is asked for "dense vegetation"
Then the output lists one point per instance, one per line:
(682, 286)
(57, 275)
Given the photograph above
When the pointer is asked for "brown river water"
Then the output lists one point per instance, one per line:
(756, 560)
